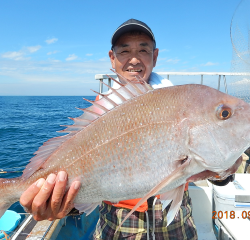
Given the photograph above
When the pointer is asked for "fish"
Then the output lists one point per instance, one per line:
(136, 142)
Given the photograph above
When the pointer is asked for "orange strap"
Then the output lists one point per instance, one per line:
(132, 202)
(186, 187)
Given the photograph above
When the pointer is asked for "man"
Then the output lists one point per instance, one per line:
(133, 53)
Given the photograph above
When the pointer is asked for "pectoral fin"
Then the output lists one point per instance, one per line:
(176, 174)
(175, 195)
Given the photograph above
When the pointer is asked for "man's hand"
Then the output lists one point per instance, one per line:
(46, 199)
(216, 176)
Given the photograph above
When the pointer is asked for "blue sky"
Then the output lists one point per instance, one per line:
(57, 47)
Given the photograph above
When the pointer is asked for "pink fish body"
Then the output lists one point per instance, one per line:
(137, 142)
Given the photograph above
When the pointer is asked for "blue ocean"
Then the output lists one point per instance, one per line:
(27, 122)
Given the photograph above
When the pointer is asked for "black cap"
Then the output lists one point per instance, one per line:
(132, 25)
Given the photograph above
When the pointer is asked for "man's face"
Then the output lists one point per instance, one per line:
(133, 55)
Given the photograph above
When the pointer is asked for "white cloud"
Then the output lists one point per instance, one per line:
(52, 40)
(71, 57)
(161, 59)
(163, 50)
(104, 59)
(209, 64)
(54, 60)
(89, 54)
(50, 77)
(173, 60)
(13, 55)
(243, 82)
(33, 48)
(21, 54)
(52, 66)
(53, 52)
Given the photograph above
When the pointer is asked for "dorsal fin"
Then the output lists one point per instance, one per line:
(43, 153)
(107, 102)
(107, 98)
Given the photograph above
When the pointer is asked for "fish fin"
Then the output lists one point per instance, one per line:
(175, 196)
(176, 174)
(114, 91)
(107, 102)
(72, 128)
(137, 87)
(89, 111)
(43, 154)
(107, 98)
(99, 107)
(86, 207)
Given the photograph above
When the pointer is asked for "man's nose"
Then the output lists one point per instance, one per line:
(134, 60)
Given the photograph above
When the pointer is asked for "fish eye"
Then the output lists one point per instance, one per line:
(224, 112)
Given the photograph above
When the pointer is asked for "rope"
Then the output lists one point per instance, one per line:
(17, 167)
(13, 232)
(6, 236)
(9, 170)
(2, 171)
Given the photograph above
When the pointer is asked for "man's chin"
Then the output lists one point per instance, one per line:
(132, 76)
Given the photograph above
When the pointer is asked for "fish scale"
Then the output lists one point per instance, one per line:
(150, 143)
(105, 152)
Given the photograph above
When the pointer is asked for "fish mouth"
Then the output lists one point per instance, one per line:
(203, 176)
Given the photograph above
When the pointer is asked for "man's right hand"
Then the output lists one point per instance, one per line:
(46, 199)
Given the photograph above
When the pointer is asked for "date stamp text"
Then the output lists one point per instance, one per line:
(230, 215)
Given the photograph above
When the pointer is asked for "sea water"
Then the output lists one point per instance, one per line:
(27, 122)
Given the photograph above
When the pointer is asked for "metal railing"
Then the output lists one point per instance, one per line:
(220, 75)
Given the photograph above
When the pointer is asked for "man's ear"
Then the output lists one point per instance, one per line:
(155, 55)
(112, 58)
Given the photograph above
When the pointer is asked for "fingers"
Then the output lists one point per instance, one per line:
(68, 199)
(39, 205)
(58, 193)
(28, 196)
(47, 199)
(60, 204)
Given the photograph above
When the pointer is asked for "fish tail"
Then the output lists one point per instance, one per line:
(8, 195)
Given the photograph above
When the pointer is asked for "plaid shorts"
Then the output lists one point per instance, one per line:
(135, 227)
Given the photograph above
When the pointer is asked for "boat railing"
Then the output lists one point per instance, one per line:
(220, 75)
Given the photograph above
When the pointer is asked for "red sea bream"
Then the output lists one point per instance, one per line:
(137, 142)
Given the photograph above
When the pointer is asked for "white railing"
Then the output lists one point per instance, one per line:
(220, 75)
